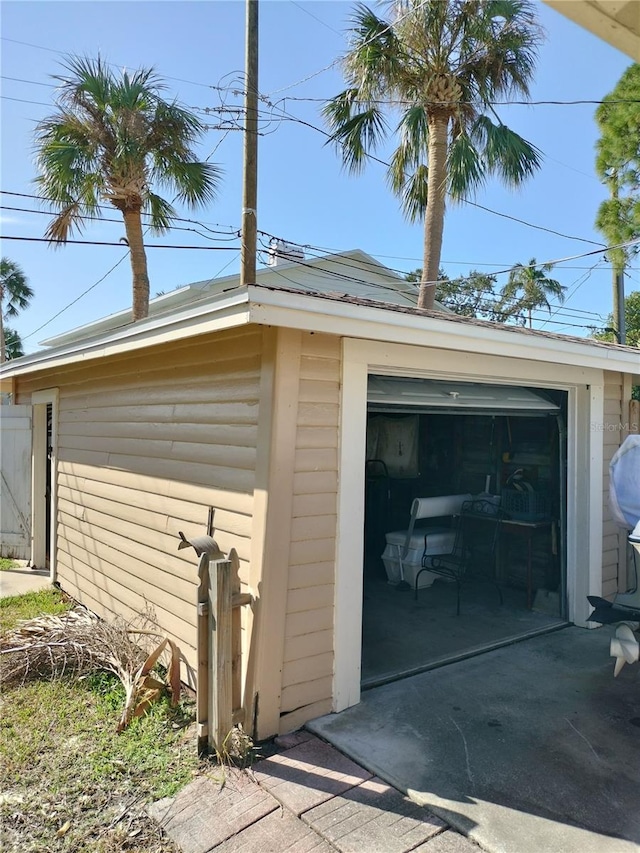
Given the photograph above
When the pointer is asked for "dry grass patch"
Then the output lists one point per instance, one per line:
(69, 781)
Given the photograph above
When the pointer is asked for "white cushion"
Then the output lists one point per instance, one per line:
(438, 506)
(440, 540)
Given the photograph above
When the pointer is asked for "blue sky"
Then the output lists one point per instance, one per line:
(304, 195)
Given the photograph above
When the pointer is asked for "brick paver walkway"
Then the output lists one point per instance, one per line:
(307, 798)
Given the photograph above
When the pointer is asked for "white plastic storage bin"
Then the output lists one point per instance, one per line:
(440, 541)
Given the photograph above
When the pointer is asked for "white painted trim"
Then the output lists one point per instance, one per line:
(595, 496)
(223, 313)
(584, 474)
(40, 400)
(350, 541)
(446, 331)
(348, 319)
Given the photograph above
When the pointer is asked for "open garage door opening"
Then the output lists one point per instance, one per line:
(465, 528)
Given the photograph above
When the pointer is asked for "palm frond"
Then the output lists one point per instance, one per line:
(465, 166)
(160, 211)
(374, 55)
(415, 194)
(412, 150)
(506, 152)
(195, 183)
(15, 292)
(357, 129)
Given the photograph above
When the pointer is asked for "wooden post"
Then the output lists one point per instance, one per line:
(236, 638)
(202, 693)
(250, 168)
(634, 417)
(220, 654)
(219, 687)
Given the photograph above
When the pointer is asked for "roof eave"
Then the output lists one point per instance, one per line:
(345, 317)
(429, 328)
(218, 314)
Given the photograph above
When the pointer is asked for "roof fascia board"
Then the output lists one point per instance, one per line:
(359, 321)
(227, 313)
(601, 21)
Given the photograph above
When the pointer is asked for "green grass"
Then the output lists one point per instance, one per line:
(17, 607)
(7, 563)
(62, 765)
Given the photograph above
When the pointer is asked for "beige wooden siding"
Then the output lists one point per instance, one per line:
(307, 675)
(146, 443)
(612, 436)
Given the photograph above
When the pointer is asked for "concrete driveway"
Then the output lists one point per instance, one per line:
(21, 579)
(532, 748)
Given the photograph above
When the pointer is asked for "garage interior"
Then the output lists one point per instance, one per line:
(500, 446)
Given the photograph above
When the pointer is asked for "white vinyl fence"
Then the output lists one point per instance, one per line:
(15, 484)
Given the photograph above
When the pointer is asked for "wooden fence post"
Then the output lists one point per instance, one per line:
(202, 693)
(220, 654)
(219, 686)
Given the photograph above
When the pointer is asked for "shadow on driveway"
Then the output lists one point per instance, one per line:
(529, 748)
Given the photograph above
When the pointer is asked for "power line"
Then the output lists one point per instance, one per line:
(77, 299)
(22, 80)
(465, 200)
(563, 323)
(341, 276)
(107, 207)
(24, 101)
(364, 44)
(322, 100)
(315, 17)
(553, 262)
(399, 103)
(116, 221)
(113, 64)
(104, 243)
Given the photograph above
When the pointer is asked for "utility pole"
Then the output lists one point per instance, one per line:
(250, 166)
(619, 318)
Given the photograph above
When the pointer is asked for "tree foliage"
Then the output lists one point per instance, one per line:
(477, 295)
(529, 288)
(15, 296)
(632, 322)
(618, 165)
(112, 139)
(13, 344)
(473, 295)
(440, 65)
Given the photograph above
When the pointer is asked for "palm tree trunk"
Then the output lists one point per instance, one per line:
(434, 216)
(133, 228)
(3, 344)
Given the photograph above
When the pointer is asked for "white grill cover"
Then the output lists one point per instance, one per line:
(624, 489)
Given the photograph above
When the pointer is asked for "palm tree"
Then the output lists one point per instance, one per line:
(13, 344)
(111, 139)
(529, 288)
(442, 64)
(15, 295)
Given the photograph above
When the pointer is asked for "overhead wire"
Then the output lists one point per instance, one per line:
(302, 287)
(119, 222)
(552, 262)
(380, 101)
(379, 286)
(106, 243)
(297, 120)
(465, 200)
(109, 271)
(231, 228)
(339, 59)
